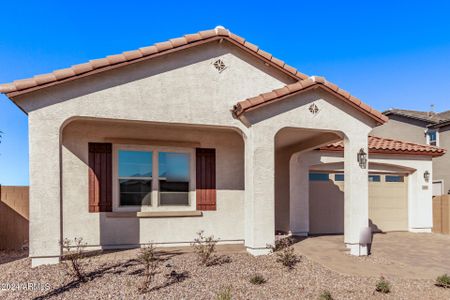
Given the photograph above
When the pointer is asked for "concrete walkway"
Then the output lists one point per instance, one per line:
(401, 254)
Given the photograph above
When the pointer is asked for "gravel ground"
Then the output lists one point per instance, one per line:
(117, 275)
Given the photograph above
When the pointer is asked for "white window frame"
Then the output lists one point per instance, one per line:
(155, 206)
(427, 134)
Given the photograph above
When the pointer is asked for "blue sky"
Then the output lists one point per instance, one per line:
(388, 53)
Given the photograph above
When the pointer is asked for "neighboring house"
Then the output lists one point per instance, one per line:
(423, 127)
(205, 131)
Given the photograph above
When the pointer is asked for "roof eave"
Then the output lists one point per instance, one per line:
(230, 37)
(380, 119)
(390, 152)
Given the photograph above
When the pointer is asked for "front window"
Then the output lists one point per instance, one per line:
(173, 178)
(135, 177)
(153, 176)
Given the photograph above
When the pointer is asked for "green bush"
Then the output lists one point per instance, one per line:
(325, 295)
(257, 279)
(443, 281)
(383, 286)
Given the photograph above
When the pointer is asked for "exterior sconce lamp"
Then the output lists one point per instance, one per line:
(362, 158)
(426, 176)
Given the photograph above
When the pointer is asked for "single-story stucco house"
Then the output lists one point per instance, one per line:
(209, 132)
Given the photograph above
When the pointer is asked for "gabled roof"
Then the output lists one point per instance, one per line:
(390, 146)
(98, 65)
(24, 86)
(304, 85)
(429, 117)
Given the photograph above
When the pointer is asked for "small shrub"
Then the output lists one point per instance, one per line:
(224, 294)
(257, 279)
(285, 252)
(325, 295)
(205, 248)
(282, 243)
(74, 258)
(287, 257)
(148, 258)
(443, 281)
(383, 286)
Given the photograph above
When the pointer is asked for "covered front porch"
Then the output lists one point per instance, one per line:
(277, 142)
(292, 149)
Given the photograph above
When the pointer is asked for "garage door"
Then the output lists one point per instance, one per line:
(388, 202)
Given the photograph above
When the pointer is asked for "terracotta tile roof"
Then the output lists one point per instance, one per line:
(22, 86)
(390, 146)
(301, 86)
(426, 116)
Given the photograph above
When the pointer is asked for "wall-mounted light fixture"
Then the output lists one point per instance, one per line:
(362, 158)
(426, 176)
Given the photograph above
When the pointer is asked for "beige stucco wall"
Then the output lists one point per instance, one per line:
(179, 89)
(100, 230)
(294, 112)
(441, 165)
(407, 129)
(402, 128)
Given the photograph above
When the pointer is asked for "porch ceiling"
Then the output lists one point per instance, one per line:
(297, 139)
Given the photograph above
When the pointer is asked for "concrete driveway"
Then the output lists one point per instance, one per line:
(402, 254)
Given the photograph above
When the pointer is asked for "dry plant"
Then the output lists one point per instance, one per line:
(325, 295)
(383, 286)
(149, 259)
(74, 259)
(257, 279)
(205, 248)
(224, 293)
(285, 252)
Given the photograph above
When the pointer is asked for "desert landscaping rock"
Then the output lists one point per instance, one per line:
(117, 275)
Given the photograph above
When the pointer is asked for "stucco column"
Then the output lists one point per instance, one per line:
(299, 196)
(356, 206)
(259, 191)
(45, 191)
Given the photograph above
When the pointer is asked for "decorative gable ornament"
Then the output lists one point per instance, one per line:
(219, 65)
(313, 109)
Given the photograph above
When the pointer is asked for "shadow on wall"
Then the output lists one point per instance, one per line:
(326, 208)
(14, 217)
(374, 227)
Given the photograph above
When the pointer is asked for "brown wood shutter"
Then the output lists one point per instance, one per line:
(100, 177)
(206, 178)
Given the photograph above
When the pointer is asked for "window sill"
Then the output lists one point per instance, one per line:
(155, 214)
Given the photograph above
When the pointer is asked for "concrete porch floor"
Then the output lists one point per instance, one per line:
(400, 254)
